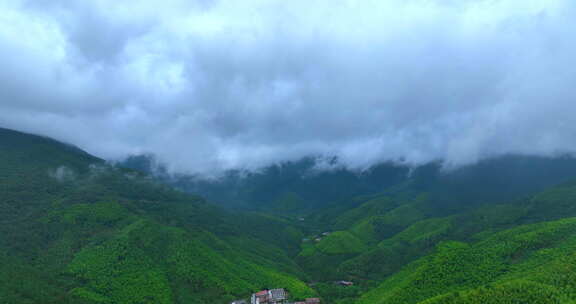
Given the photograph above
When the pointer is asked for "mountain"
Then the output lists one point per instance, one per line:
(300, 187)
(76, 230)
(285, 187)
(401, 251)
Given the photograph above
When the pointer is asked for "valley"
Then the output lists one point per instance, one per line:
(76, 229)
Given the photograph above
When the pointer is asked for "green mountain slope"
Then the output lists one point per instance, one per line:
(535, 262)
(74, 230)
(496, 251)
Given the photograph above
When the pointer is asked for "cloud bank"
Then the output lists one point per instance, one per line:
(226, 84)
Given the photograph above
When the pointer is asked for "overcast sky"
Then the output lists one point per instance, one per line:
(209, 85)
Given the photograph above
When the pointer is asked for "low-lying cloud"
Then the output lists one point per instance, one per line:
(214, 85)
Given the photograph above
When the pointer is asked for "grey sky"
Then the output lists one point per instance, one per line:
(213, 85)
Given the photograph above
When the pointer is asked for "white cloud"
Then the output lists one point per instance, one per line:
(214, 85)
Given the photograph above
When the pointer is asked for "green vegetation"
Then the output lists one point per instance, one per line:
(74, 229)
(526, 257)
(492, 250)
(341, 242)
(510, 292)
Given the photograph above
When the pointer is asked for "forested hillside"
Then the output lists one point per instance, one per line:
(75, 229)
(403, 251)
(311, 185)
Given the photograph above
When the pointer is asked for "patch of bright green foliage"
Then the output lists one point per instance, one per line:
(340, 242)
(539, 254)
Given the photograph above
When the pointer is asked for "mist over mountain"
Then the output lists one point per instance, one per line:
(310, 184)
(209, 86)
(273, 151)
(76, 229)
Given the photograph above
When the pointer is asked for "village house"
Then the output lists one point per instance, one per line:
(270, 296)
(276, 296)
